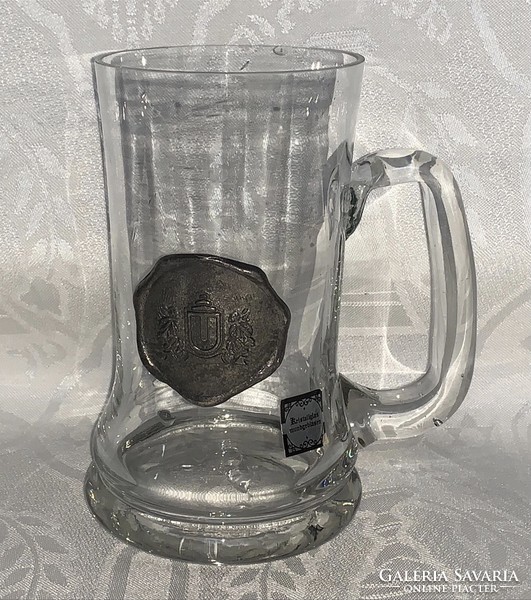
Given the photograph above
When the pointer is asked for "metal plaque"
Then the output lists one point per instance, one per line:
(208, 326)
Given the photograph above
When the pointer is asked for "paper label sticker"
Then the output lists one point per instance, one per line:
(302, 422)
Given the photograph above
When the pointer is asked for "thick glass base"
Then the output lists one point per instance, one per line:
(229, 542)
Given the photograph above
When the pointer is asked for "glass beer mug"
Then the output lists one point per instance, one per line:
(229, 435)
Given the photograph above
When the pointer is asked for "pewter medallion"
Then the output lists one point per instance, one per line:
(208, 326)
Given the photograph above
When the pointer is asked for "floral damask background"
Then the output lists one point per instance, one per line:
(451, 77)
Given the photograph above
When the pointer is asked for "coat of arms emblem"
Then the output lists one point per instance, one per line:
(209, 327)
(204, 331)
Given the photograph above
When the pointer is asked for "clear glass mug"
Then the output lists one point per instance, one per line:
(229, 435)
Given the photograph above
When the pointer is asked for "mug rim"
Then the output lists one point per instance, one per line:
(104, 59)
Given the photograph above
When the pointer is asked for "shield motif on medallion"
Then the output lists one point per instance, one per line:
(204, 331)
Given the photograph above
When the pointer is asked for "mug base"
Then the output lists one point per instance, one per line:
(238, 543)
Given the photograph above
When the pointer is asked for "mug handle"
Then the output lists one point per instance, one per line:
(431, 399)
